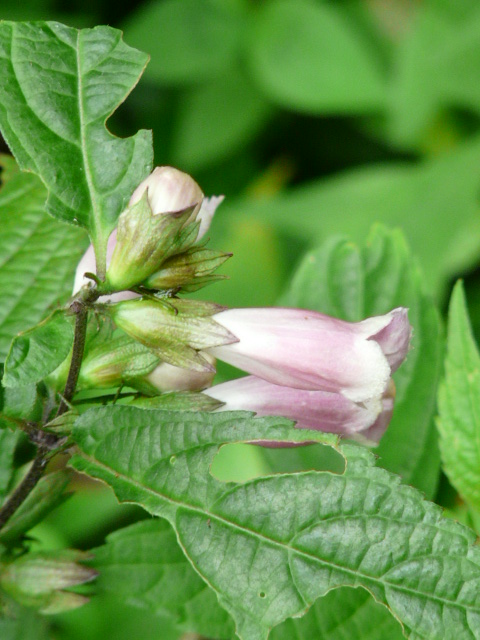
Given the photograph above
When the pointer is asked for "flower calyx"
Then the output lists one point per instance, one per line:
(175, 330)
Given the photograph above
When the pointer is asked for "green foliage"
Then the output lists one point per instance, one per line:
(39, 351)
(144, 566)
(459, 403)
(306, 57)
(342, 280)
(48, 494)
(38, 255)
(269, 557)
(198, 41)
(59, 87)
(8, 443)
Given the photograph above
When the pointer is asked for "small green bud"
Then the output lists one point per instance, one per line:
(115, 362)
(175, 330)
(38, 579)
(144, 241)
(190, 270)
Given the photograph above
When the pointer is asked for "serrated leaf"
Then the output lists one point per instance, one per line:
(59, 86)
(346, 281)
(306, 56)
(270, 547)
(342, 614)
(459, 403)
(38, 256)
(143, 566)
(39, 351)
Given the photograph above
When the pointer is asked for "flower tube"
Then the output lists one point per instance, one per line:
(308, 350)
(317, 410)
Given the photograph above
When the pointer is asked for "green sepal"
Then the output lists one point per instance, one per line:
(46, 496)
(39, 351)
(190, 270)
(175, 330)
(145, 241)
(115, 362)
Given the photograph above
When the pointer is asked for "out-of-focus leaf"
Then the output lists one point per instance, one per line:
(39, 351)
(216, 119)
(345, 281)
(59, 85)
(188, 41)
(24, 625)
(270, 547)
(143, 565)
(435, 203)
(436, 66)
(8, 443)
(48, 494)
(38, 255)
(305, 56)
(459, 404)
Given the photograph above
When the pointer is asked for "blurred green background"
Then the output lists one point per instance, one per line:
(314, 118)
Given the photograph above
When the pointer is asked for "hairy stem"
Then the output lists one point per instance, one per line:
(46, 441)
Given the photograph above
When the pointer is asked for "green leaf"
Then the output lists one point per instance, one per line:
(436, 66)
(306, 56)
(17, 403)
(342, 280)
(271, 546)
(340, 615)
(26, 625)
(48, 494)
(188, 41)
(59, 86)
(459, 403)
(206, 134)
(38, 255)
(8, 444)
(39, 351)
(143, 565)
(422, 199)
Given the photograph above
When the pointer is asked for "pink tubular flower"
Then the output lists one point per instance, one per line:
(317, 410)
(308, 350)
(168, 191)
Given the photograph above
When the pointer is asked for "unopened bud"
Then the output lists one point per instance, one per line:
(190, 270)
(116, 361)
(145, 240)
(38, 579)
(175, 330)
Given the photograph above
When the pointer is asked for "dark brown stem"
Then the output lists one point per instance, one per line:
(26, 485)
(46, 441)
(81, 314)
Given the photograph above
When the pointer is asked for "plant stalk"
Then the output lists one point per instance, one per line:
(46, 441)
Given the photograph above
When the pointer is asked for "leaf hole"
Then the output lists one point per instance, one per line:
(173, 460)
(262, 594)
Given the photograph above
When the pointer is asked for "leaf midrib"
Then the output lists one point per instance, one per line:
(284, 547)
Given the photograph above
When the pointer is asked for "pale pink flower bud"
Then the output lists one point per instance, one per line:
(309, 350)
(170, 190)
(317, 410)
(166, 377)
